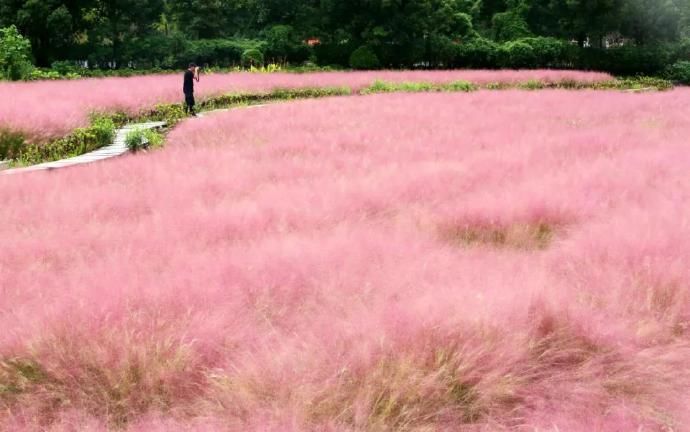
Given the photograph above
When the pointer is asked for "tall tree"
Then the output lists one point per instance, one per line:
(653, 21)
(50, 25)
(115, 22)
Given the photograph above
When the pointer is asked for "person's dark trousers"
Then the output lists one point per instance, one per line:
(189, 103)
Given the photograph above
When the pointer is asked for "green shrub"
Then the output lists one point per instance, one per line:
(379, 86)
(679, 72)
(41, 74)
(334, 53)
(627, 60)
(441, 51)
(462, 25)
(65, 67)
(169, 113)
(364, 58)
(459, 86)
(15, 54)
(509, 25)
(141, 139)
(517, 54)
(532, 85)
(284, 44)
(218, 52)
(161, 51)
(103, 130)
(252, 57)
(11, 144)
(477, 53)
(547, 52)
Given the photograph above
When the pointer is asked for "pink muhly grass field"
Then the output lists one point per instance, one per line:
(50, 109)
(484, 261)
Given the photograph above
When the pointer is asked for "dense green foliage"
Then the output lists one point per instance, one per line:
(11, 144)
(679, 72)
(621, 36)
(252, 57)
(15, 54)
(364, 58)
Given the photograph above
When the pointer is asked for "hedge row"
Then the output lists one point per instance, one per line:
(525, 53)
(542, 52)
(166, 53)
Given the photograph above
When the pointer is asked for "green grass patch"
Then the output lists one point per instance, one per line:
(380, 86)
(143, 139)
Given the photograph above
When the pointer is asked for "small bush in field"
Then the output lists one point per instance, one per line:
(460, 86)
(142, 139)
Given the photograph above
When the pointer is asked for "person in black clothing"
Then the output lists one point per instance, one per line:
(190, 75)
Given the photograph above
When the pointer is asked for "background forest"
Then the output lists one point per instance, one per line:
(625, 37)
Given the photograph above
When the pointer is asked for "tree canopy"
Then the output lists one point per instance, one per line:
(400, 32)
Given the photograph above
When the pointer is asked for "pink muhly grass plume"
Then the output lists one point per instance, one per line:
(50, 109)
(484, 261)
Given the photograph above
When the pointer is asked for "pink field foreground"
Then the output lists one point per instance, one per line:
(51, 109)
(481, 262)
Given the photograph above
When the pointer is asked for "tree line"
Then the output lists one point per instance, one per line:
(385, 33)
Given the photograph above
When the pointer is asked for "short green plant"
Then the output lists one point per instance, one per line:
(416, 87)
(532, 85)
(41, 74)
(459, 86)
(171, 114)
(570, 84)
(496, 86)
(269, 68)
(142, 139)
(390, 87)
